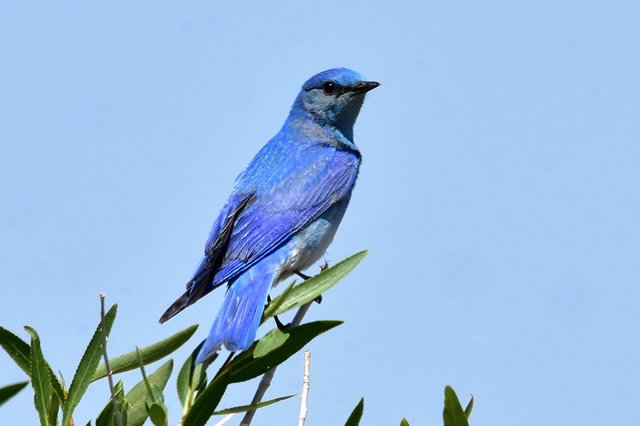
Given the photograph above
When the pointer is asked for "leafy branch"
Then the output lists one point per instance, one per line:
(198, 394)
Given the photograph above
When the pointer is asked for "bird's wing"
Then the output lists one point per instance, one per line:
(271, 220)
(255, 223)
(215, 250)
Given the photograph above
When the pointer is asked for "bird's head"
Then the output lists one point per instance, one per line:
(333, 98)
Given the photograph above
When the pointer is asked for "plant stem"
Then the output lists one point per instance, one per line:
(106, 363)
(306, 382)
(265, 382)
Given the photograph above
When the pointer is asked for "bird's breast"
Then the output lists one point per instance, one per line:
(310, 244)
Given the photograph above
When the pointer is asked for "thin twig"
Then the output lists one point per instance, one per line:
(225, 419)
(106, 362)
(306, 382)
(265, 382)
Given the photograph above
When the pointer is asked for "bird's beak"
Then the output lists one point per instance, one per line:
(364, 86)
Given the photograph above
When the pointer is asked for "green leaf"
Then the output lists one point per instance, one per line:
(208, 400)
(313, 287)
(149, 354)
(156, 394)
(20, 352)
(192, 378)
(272, 340)
(275, 304)
(356, 414)
(404, 422)
(243, 408)
(159, 414)
(10, 391)
(467, 411)
(52, 412)
(57, 387)
(40, 379)
(17, 349)
(183, 382)
(106, 417)
(246, 367)
(63, 384)
(87, 366)
(453, 414)
(136, 398)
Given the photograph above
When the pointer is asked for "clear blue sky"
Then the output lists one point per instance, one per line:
(499, 194)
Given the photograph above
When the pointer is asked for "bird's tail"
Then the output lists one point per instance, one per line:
(238, 320)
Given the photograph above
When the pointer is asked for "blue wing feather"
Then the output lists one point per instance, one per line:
(269, 221)
(273, 199)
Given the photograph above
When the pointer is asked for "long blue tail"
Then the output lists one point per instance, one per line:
(239, 317)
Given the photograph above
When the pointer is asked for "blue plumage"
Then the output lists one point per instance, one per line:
(284, 209)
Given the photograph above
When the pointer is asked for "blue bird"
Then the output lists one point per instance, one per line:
(284, 209)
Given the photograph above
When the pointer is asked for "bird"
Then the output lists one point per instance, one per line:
(284, 209)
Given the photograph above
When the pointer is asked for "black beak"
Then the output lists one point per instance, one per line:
(364, 86)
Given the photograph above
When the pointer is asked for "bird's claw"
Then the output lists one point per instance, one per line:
(282, 327)
(301, 275)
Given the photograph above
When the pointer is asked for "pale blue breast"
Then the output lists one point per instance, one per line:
(310, 244)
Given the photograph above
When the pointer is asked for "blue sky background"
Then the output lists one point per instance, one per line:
(498, 194)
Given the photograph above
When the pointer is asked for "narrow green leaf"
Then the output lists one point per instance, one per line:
(467, 411)
(155, 395)
(246, 367)
(57, 387)
(183, 381)
(149, 354)
(20, 352)
(87, 366)
(158, 414)
(206, 403)
(39, 378)
(275, 304)
(136, 398)
(243, 408)
(106, 417)
(313, 287)
(404, 422)
(356, 414)
(453, 414)
(10, 391)
(17, 349)
(63, 385)
(52, 412)
(190, 377)
(272, 340)
(193, 379)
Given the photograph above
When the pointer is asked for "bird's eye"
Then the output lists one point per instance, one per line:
(330, 88)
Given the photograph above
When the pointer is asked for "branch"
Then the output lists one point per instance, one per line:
(106, 362)
(306, 382)
(265, 382)
(225, 419)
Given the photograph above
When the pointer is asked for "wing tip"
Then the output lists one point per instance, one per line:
(175, 308)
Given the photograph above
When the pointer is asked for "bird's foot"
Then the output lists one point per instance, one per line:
(282, 327)
(323, 268)
(301, 275)
(305, 277)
